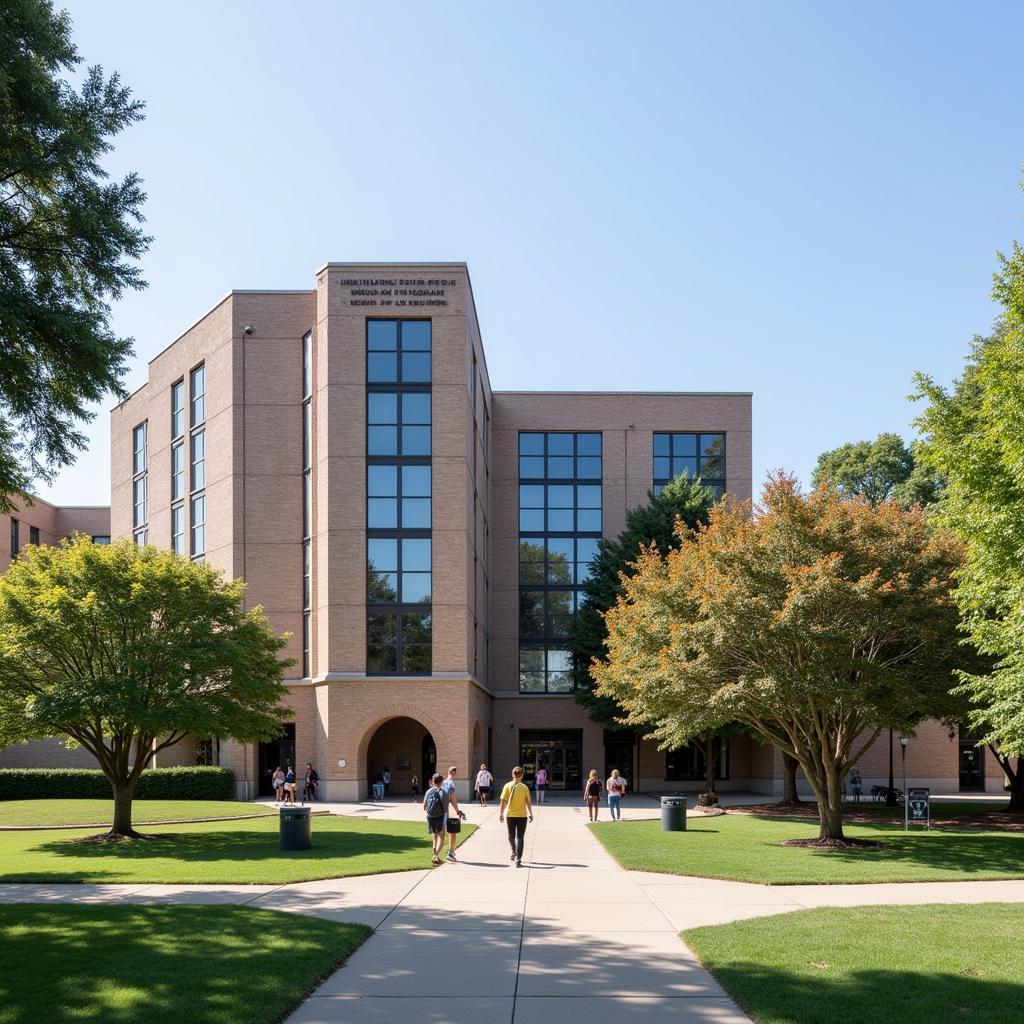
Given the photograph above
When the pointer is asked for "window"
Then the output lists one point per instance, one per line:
(178, 529)
(197, 384)
(140, 483)
(15, 537)
(178, 410)
(307, 497)
(100, 538)
(560, 502)
(695, 454)
(398, 496)
(197, 479)
(197, 547)
(33, 535)
(689, 762)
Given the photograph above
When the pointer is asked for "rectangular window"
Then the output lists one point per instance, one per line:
(198, 475)
(307, 498)
(100, 538)
(560, 505)
(33, 535)
(140, 483)
(693, 454)
(140, 455)
(15, 537)
(178, 410)
(197, 546)
(178, 471)
(398, 496)
(689, 763)
(178, 529)
(197, 386)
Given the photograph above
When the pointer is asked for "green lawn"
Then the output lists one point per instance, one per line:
(747, 849)
(101, 812)
(162, 965)
(242, 852)
(886, 965)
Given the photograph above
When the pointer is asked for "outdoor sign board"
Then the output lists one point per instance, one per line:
(918, 806)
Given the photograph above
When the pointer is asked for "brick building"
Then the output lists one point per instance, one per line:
(421, 537)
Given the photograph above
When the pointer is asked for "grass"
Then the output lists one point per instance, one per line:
(887, 965)
(163, 965)
(239, 852)
(101, 812)
(747, 849)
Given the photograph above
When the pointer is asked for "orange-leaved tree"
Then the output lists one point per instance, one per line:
(815, 620)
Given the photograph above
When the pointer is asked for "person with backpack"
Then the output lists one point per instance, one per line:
(435, 803)
(289, 785)
(516, 797)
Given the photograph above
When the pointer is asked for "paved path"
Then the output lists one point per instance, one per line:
(568, 936)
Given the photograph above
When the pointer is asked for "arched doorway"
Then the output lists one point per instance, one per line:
(406, 748)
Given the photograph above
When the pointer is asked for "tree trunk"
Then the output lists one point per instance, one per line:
(831, 816)
(789, 767)
(710, 796)
(1016, 804)
(122, 827)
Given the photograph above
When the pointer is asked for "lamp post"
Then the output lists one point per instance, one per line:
(906, 804)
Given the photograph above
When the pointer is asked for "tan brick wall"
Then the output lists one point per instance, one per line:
(45, 754)
(55, 522)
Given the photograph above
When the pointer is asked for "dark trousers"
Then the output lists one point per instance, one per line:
(516, 835)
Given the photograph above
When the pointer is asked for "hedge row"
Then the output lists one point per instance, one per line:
(184, 783)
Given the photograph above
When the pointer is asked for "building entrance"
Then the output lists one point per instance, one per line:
(560, 751)
(273, 754)
(972, 764)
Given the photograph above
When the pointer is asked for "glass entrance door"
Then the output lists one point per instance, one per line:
(559, 751)
(972, 765)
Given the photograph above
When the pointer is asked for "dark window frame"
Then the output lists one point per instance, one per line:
(715, 483)
(677, 771)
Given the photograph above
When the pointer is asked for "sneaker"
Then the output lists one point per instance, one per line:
(435, 861)
(513, 857)
(451, 856)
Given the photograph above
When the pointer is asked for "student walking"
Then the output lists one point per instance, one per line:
(484, 781)
(414, 785)
(616, 788)
(452, 822)
(540, 782)
(435, 803)
(386, 779)
(592, 792)
(516, 797)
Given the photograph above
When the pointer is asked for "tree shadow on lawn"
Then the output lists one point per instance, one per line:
(162, 964)
(897, 996)
(240, 845)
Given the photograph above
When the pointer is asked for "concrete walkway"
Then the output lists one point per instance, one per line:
(570, 934)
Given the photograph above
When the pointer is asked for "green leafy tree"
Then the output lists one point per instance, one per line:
(813, 620)
(68, 236)
(684, 499)
(125, 650)
(885, 469)
(974, 436)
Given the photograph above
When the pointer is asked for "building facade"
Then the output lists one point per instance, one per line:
(421, 537)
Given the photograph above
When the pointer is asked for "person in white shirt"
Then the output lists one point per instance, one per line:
(454, 816)
(484, 781)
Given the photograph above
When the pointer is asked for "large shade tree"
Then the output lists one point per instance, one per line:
(69, 238)
(126, 650)
(814, 620)
(974, 436)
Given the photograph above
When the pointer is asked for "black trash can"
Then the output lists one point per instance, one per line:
(673, 814)
(296, 828)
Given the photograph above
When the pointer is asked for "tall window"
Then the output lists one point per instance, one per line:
(178, 467)
(559, 527)
(15, 537)
(398, 497)
(33, 535)
(197, 468)
(307, 496)
(140, 483)
(695, 454)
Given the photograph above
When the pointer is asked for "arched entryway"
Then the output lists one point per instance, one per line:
(405, 748)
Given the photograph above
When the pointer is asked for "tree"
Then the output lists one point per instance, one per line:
(67, 239)
(125, 650)
(683, 499)
(974, 436)
(814, 620)
(881, 470)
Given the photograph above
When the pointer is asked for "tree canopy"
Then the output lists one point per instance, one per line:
(125, 650)
(974, 435)
(885, 469)
(816, 621)
(683, 499)
(68, 239)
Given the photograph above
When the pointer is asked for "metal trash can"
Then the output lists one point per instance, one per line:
(296, 828)
(673, 814)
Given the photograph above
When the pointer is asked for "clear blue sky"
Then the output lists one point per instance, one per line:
(797, 199)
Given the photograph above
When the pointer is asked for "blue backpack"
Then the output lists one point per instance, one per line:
(435, 802)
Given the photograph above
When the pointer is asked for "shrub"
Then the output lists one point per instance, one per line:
(183, 783)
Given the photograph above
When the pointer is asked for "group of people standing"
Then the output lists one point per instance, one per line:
(283, 781)
(515, 809)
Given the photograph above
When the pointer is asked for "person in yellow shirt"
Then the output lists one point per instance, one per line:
(516, 797)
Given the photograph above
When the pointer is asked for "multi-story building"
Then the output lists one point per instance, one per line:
(422, 538)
